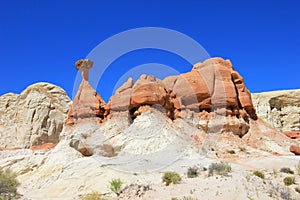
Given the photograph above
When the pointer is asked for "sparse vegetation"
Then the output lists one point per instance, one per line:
(231, 151)
(298, 168)
(289, 180)
(8, 184)
(93, 196)
(297, 189)
(192, 172)
(219, 169)
(171, 177)
(275, 173)
(248, 177)
(284, 192)
(243, 149)
(115, 186)
(259, 174)
(185, 198)
(286, 170)
(189, 198)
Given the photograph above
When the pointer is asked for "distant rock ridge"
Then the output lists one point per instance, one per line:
(281, 109)
(209, 86)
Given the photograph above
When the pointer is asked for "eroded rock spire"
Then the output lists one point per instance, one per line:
(84, 65)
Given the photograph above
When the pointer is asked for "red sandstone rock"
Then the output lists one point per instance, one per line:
(212, 85)
(86, 104)
(46, 146)
(192, 92)
(244, 94)
(295, 149)
(292, 134)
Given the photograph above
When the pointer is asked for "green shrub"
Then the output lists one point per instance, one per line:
(192, 172)
(8, 184)
(92, 196)
(219, 169)
(259, 174)
(115, 186)
(289, 180)
(171, 177)
(286, 170)
(231, 151)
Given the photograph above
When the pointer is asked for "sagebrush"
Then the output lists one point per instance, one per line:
(171, 177)
(219, 169)
(93, 196)
(192, 172)
(259, 174)
(8, 184)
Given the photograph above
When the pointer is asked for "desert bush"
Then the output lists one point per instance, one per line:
(281, 191)
(231, 151)
(115, 186)
(289, 180)
(189, 198)
(298, 168)
(93, 196)
(286, 170)
(285, 193)
(192, 172)
(184, 198)
(275, 173)
(171, 177)
(219, 169)
(259, 174)
(297, 189)
(8, 184)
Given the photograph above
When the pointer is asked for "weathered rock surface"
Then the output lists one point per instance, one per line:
(210, 85)
(212, 97)
(147, 128)
(86, 104)
(292, 134)
(295, 149)
(281, 109)
(34, 117)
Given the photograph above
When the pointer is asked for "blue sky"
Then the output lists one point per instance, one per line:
(41, 40)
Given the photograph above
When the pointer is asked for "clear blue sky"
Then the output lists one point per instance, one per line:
(41, 40)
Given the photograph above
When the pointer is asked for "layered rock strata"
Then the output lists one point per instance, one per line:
(34, 117)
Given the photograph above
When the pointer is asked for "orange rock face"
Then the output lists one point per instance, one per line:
(295, 149)
(86, 104)
(211, 86)
(292, 134)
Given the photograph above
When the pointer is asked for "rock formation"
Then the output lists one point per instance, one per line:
(34, 117)
(295, 149)
(212, 98)
(292, 134)
(281, 109)
(210, 85)
(87, 102)
(148, 127)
